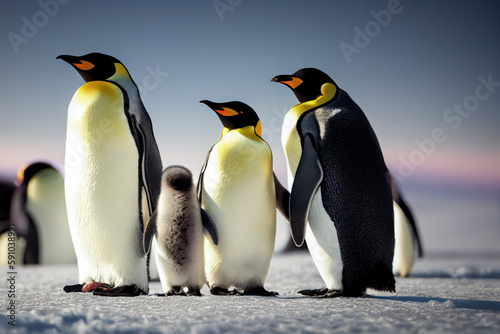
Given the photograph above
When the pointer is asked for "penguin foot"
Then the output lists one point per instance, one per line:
(180, 291)
(260, 291)
(331, 294)
(175, 291)
(324, 293)
(73, 288)
(314, 292)
(160, 295)
(193, 291)
(224, 292)
(89, 287)
(119, 291)
(327, 293)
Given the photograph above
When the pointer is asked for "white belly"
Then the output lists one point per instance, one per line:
(190, 275)
(323, 244)
(241, 201)
(102, 192)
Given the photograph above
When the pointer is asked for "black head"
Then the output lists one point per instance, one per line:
(93, 66)
(305, 83)
(25, 173)
(235, 114)
(178, 178)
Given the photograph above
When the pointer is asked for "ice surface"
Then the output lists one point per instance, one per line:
(445, 294)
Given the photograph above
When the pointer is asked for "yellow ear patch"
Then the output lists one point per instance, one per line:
(84, 65)
(258, 129)
(227, 112)
(294, 83)
(121, 71)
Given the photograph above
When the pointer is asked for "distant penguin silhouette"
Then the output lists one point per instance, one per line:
(407, 245)
(38, 212)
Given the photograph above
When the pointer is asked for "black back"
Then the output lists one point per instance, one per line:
(6, 191)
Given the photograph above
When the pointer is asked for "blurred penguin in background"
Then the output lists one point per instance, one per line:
(408, 244)
(7, 188)
(38, 212)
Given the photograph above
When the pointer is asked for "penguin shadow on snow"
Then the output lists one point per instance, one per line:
(469, 272)
(474, 304)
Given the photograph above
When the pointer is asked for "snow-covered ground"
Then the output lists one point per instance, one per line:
(447, 293)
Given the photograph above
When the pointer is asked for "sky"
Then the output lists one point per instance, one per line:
(426, 74)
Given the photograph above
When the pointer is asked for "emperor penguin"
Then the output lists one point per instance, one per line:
(176, 229)
(340, 198)
(113, 171)
(237, 188)
(407, 244)
(38, 212)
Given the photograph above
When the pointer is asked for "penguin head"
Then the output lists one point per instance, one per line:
(178, 178)
(96, 66)
(27, 172)
(306, 83)
(235, 115)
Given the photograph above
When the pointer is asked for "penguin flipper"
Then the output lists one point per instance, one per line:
(149, 232)
(147, 181)
(199, 186)
(307, 179)
(282, 198)
(209, 225)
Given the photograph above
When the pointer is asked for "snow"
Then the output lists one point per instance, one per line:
(446, 293)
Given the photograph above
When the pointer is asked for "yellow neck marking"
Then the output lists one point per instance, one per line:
(246, 131)
(328, 91)
(291, 138)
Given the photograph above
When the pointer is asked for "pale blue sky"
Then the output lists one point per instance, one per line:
(415, 66)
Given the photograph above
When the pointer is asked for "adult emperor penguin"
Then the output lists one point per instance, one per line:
(407, 245)
(38, 211)
(113, 172)
(340, 198)
(237, 189)
(176, 228)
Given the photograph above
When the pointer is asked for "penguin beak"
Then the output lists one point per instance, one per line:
(219, 109)
(76, 62)
(20, 175)
(290, 81)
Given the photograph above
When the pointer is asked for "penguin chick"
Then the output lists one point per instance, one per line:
(177, 231)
